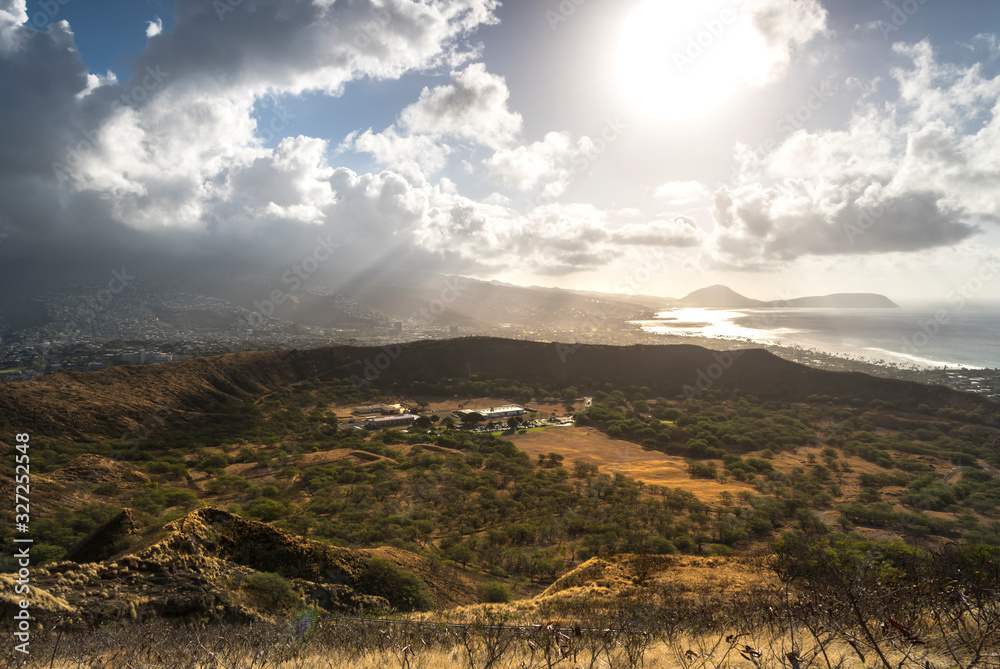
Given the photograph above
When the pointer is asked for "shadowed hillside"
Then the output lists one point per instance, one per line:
(209, 564)
(106, 404)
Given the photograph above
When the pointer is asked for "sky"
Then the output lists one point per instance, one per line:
(781, 147)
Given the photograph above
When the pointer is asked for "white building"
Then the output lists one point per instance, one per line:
(494, 413)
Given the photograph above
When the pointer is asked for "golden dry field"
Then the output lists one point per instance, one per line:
(614, 455)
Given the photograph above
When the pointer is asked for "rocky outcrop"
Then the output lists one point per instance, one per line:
(197, 566)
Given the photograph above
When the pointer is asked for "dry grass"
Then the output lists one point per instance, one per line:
(378, 646)
(672, 612)
(614, 455)
(712, 653)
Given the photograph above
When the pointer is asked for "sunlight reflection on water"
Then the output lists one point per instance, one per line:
(968, 338)
(714, 323)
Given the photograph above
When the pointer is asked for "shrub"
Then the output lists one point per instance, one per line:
(264, 509)
(271, 588)
(684, 543)
(214, 461)
(663, 546)
(403, 589)
(720, 550)
(495, 592)
(45, 553)
(702, 470)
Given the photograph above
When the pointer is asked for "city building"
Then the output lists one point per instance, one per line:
(390, 421)
(150, 358)
(493, 413)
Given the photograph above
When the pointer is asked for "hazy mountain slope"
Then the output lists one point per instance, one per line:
(463, 301)
(718, 296)
(841, 301)
(723, 297)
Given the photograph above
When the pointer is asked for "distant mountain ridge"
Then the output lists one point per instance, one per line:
(718, 296)
(98, 405)
(723, 297)
(225, 307)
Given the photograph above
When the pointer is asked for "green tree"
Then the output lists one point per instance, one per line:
(473, 417)
(271, 588)
(495, 592)
(462, 554)
(403, 589)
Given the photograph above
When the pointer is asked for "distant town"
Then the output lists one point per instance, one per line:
(151, 325)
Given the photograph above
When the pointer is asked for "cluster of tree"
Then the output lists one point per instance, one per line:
(489, 505)
(473, 386)
(709, 431)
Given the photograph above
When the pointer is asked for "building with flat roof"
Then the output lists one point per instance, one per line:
(493, 413)
(404, 420)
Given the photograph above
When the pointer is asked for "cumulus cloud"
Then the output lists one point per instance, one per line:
(680, 232)
(170, 170)
(154, 27)
(171, 164)
(13, 13)
(791, 220)
(782, 26)
(414, 154)
(292, 47)
(549, 163)
(175, 166)
(909, 176)
(471, 109)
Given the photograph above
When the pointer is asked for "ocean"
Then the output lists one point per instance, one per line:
(909, 338)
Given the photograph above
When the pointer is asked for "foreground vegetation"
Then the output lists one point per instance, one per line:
(818, 486)
(477, 501)
(840, 603)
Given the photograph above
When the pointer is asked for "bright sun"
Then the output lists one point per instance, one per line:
(680, 58)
